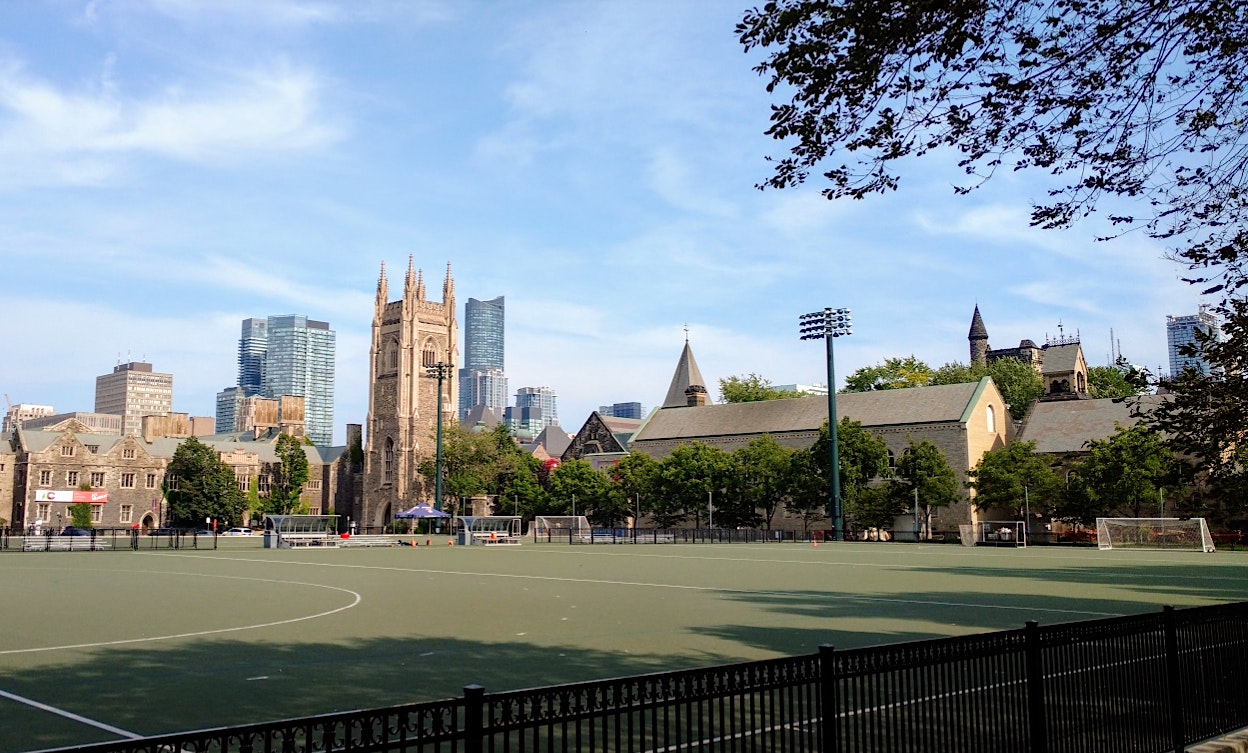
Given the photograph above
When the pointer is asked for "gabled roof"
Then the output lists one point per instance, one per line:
(39, 440)
(916, 405)
(601, 434)
(553, 440)
(482, 415)
(686, 375)
(1061, 358)
(1068, 425)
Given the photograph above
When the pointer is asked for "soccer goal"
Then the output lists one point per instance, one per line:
(569, 528)
(1001, 533)
(1191, 534)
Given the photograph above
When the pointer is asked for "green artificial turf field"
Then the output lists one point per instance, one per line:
(102, 645)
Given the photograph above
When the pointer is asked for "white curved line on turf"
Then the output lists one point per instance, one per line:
(674, 586)
(69, 715)
(216, 631)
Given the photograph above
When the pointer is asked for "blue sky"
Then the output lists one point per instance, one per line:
(171, 167)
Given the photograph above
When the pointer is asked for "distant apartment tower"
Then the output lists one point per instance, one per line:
(535, 409)
(133, 391)
(283, 355)
(482, 379)
(621, 410)
(23, 412)
(1181, 331)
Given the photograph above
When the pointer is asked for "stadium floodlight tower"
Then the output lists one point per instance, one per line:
(441, 372)
(827, 325)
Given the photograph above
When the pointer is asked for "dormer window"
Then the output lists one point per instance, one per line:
(67, 450)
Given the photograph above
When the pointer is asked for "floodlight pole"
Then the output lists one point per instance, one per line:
(440, 371)
(827, 325)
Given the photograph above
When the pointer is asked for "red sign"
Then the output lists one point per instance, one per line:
(71, 497)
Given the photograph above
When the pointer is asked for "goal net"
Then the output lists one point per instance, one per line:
(1001, 533)
(1191, 534)
(562, 528)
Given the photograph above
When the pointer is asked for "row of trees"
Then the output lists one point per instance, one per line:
(200, 486)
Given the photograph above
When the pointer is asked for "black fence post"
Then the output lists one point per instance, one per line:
(1174, 681)
(1037, 729)
(829, 720)
(474, 718)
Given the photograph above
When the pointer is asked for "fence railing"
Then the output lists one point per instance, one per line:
(1141, 684)
(104, 539)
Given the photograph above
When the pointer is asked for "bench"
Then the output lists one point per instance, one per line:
(368, 540)
(495, 538)
(293, 540)
(64, 544)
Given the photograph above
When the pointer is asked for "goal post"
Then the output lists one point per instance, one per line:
(1001, 533)
(570, 528)
(1182, 534)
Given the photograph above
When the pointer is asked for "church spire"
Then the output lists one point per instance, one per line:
(448, 286)
(383, 288)
(409, 283)
(686, 377)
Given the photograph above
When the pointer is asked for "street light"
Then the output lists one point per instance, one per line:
(828, 325)
(441, 372)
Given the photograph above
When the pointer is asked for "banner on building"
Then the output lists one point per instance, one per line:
(71, 497)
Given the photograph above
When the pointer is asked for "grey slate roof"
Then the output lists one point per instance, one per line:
(1061, 358)
(38, 441)
(978, 330)
(1067, 425)
(687, 374)
(554, 440)
(916, 405)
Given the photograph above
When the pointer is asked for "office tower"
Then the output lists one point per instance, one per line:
(1180, 331)
(133, 391)
(482, 379)
(621, 410)
(535, 409)
(22, 412)
(252, 348)
(299, 360)
(229, 407)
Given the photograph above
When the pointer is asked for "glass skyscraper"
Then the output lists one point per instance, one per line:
(1180, 331)
(285, 355)
(482, 380)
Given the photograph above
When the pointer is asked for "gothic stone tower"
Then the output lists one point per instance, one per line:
(408, 335)
(978, 338)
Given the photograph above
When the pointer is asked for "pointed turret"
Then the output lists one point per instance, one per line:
(383, 287)
(409, 283)
(978, 337)
(687, 376)
(448, 286)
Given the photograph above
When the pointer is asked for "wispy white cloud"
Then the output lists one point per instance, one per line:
(49, 134)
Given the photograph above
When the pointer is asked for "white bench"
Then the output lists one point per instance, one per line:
(368, 540)
(495, 538)
(64, 544)
(293, 540)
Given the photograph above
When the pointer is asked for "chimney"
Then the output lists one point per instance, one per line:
(695, 396)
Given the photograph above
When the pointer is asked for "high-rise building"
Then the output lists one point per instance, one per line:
(535, 409)
(1181, 331)
(299, 360)
(22, 412)
(482, 379)
(284, 355)
(621, 410)
(253, 346)
(133, 391)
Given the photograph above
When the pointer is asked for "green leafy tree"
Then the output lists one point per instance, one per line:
(1120, 380)
(199, 485)
(878, 507)
(686, 479)
(1120, 476)
(638, 476)
(751, 388)
(809, 490)
(926, 468)
(80, 515)
(764, 478)
(288, 477)
(892, 374)
(863, 457)
(1019, 383)
(1135, 102)
(577, 488)
(958, 373)
(1013, 478)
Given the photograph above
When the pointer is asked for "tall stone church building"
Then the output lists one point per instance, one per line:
(409, 336)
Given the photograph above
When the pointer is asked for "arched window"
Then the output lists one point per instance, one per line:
(992, 420)
(892, 460)
(392, 356)
(428, 356)
(387, 462)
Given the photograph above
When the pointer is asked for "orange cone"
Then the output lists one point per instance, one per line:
(450, 543)
(428, 542)
(814, 542)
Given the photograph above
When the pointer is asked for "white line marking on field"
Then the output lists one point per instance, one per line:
(68, 715)
(216, 631)
(674, 586)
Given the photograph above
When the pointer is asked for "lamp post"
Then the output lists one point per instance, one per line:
(441, 372)
(827, 325)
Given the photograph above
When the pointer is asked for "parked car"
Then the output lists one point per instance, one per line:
(239, 532)
(72, 531)
(205, 532)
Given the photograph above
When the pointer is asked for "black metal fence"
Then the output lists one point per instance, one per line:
(1141, 684)
(675, 536)
(104, 539)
